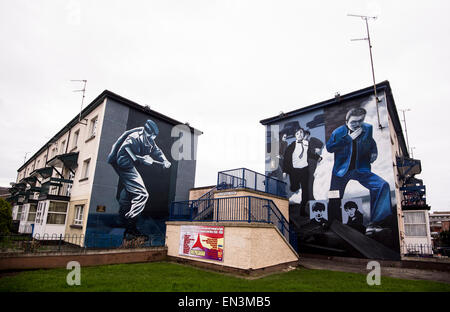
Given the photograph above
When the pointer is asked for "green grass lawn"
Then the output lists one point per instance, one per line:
(167, 277)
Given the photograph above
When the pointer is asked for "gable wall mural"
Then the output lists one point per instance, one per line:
(135, 179)
(337, 164)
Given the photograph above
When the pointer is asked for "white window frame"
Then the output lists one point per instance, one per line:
(56, 213)
(93, 124)
(408, 231)
(63, 145)
(30, 213)
(76, 137)
(85, 169)
(78, 218)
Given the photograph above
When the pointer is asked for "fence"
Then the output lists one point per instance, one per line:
(17, 243)
(417, 250)
(245, 178)
(233, 209)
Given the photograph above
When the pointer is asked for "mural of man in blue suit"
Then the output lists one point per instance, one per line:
(354, 151)
(134, 147)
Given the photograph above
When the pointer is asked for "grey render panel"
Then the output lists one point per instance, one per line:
(105, 179)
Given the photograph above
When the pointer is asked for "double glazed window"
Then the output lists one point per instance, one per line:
(415, 223)
(57, 213)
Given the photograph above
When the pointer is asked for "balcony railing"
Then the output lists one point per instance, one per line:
(245, 178)
(234, 209)
(56, 187)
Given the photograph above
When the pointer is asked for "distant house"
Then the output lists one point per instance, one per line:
(4, 192)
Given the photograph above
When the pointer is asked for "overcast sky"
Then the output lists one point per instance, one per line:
(222, 66)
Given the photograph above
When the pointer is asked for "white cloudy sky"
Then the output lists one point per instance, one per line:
(222, 66)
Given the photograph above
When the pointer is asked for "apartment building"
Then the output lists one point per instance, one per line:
(346, 160)
(70, 186)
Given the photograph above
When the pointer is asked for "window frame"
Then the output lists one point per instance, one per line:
(79, 215)
(50, 213)
(409, 225)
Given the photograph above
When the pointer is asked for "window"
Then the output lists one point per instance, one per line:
(37, 164)
(40, 212)
(93, 127)
(19, 213)
(78, 220)
(75, 138)
(23, 215)
(85, 170)
(32, 213)
(57, 213)
(63, 144)
(54, 151)
(415, 223)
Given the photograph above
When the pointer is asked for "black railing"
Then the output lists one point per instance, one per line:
(56, 187)
(417, 250)
(234, 209)
(245, 178)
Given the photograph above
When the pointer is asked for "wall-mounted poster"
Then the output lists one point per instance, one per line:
(204, 242)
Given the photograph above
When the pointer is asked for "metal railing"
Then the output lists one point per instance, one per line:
(22, 243)
(204, 205)
(234, 209)
(245, 178)
(417, 249)
(57, 187)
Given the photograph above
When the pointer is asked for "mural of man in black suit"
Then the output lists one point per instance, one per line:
(295, 164)
(314, 150)
(300, 162)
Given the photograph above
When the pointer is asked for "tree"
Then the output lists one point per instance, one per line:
(5, 216)
(444, 238)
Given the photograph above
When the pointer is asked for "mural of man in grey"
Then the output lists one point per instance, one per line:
(354, 151)
(135, 147)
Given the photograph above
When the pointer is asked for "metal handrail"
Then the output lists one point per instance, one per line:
(250, 179)
(235, 209)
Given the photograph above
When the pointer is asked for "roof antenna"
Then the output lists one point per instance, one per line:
(406, 131)
(82, 100)
(366, 18)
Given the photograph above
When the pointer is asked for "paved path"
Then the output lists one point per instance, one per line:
(413, 274)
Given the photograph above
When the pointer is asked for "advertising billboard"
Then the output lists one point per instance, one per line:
(204, 242)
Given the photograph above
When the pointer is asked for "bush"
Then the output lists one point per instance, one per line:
(5, 217)
(444, 238)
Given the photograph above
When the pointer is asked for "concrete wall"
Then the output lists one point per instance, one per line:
(397, 152)
(87, 147)
(94, 258)
(246, 246)
(196, 193)
(106, 180)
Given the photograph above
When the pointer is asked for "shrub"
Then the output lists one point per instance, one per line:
(5, 217)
